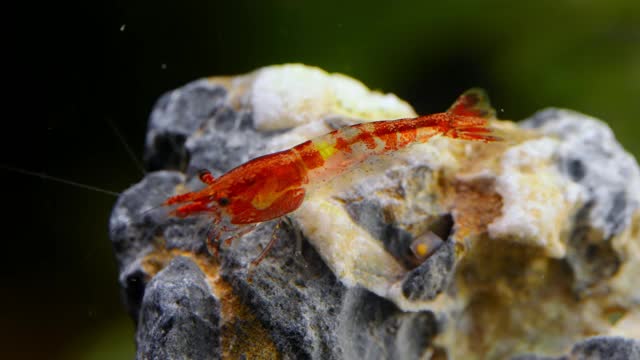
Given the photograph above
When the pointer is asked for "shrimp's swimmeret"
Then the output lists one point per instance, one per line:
(274, 185)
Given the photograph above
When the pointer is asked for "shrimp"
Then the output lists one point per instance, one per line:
(274, 185)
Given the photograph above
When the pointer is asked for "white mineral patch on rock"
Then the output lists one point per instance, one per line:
(352, 254)
(291, 95)
(537, 200)
(356, 100)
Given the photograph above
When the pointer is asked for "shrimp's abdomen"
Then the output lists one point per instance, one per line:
(332, 154)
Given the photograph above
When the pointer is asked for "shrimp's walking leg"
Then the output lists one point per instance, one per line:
(213, 237)
(240, 233)
(213, 241)
(213, 245)
(265, 251)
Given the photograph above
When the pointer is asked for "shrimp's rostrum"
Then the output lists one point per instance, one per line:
(274, 185)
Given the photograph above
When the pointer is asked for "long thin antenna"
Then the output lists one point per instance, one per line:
(126, 145)
(129, 150)
(63, 181)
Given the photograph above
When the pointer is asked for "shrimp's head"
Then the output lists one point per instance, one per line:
(262, 189)
(212, 199)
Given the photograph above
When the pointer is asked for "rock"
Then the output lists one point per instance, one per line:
(603, 347)
(179, 316)
(596, 348)
(608, 183)
(538, 236)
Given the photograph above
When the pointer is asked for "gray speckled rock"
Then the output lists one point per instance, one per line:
(195, 128)
(431, 277)
(176, 115)
(606, 348)
(375, 329)
(179, 316)
(364, 293)
(296, 297)
(597, 348)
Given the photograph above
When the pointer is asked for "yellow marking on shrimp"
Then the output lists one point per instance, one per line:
(263, 201)
(266, 196)
(325, 149)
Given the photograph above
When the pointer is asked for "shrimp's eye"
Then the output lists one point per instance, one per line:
(223, 201)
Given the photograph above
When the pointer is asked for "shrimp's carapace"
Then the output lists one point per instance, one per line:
(274, 185)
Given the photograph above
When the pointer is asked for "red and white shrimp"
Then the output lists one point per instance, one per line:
(275, 185)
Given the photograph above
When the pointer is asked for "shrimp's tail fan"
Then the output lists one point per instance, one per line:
(473, 102)
(470, 115)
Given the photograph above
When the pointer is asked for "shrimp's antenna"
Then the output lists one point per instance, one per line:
(130, 151)
(128, 148)
(60, 180)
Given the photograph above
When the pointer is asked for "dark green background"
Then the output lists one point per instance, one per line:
(59, 285)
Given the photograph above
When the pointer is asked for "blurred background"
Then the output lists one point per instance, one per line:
(85, 64)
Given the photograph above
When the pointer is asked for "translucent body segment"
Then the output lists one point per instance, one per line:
(344, 148)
